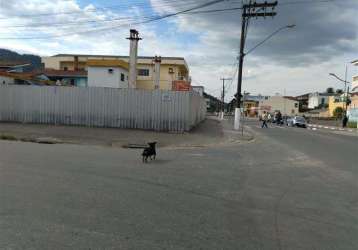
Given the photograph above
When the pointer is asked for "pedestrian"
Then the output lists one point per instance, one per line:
(345, 121)
(264, 120)
(269, 117)
(279, 118)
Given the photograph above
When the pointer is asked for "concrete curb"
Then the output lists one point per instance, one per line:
(332, 128)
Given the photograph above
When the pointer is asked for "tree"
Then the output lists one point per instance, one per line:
(339, 91)
(330, 90)
(338, 112)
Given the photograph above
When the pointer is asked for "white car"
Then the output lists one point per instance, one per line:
(297, 121)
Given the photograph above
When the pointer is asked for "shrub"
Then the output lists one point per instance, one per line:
(7, 137)
(338, 112)
(352, 124)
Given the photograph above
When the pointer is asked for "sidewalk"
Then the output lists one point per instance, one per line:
(211, 132)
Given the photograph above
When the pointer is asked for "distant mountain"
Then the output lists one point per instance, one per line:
(11, 56)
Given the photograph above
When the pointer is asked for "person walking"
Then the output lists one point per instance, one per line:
(279, 118)
(264, 120)
(345, 121)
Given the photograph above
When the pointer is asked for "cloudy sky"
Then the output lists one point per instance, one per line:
(295, 61)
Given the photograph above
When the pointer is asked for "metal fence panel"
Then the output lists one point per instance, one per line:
(102, 107)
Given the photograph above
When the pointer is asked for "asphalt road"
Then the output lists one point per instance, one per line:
(289, 189)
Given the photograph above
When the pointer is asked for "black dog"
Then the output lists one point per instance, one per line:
(149, 152)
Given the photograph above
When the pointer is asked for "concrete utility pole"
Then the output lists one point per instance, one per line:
(157, 62)
(223, 97)
(133, 54)
(249, 10)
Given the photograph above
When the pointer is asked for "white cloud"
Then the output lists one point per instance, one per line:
(297, 60)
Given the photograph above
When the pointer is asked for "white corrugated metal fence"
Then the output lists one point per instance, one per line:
(102, 107)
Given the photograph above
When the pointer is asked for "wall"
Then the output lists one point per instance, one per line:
(284, 105)
(332, 104)
(354, 102)
(353, 109)
(99, 77)
(102, 107)
(166, 79)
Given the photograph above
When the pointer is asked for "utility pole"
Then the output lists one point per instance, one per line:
(345, 90)
(249, 10)
(223, 97)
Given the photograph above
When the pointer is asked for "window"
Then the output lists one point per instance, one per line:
(296, 105)
(122, 77)
(65, 68)
(110, 71)
(143, 72)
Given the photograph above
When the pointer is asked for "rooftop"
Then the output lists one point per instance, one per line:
(63, 73)
(7, 64)
(139, 57)
(108, 63)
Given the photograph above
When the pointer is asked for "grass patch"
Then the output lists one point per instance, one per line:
(7, 137)
(352, 125)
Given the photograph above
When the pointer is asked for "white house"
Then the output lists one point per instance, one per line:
(315, 100)
(107, 73)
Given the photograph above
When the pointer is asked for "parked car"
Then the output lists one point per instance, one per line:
(296, 121)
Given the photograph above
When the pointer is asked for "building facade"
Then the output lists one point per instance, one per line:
(335, 102)
(171, 68)
(286, 105)
(108, 73)
(318, 100)
(355, 79)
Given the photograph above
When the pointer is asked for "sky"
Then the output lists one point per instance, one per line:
(293, 62)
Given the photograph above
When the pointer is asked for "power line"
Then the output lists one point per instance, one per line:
(101, 9)
(113, 19)
(119, 26)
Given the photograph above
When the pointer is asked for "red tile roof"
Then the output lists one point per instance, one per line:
(64, 73)
(12, 64)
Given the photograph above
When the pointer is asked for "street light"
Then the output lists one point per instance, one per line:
(241, 60)
(345, 87)
(291, 26)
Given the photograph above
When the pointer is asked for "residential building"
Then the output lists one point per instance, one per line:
(199, 89)
(355, 79)
(14, 67)
(251, 104)
(212, 103)
(285, 104)
(303, 102)
(318, 100)
(335, 102)
(107, 73)
(20, 78)
(75, 78)
(172, 69)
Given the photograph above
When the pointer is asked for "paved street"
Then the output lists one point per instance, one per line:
(290, 188)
